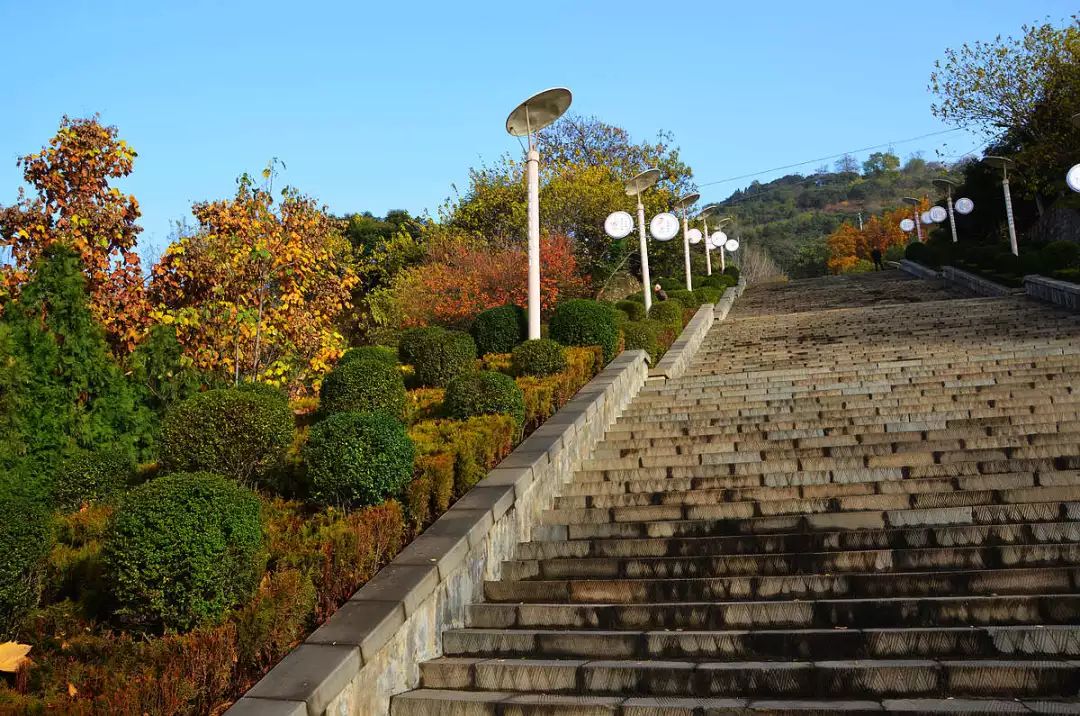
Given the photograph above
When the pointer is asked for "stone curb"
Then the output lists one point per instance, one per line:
(371, 648)
(918, 270)
(682, 351)
(1051, 290)
(975, 284)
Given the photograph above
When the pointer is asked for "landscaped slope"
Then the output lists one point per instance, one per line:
(845, 505)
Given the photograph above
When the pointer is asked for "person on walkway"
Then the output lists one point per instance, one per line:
(876, 256)
(661, 295)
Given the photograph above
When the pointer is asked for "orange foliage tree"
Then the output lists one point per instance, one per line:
(76, 206)
(847, 245)
(460, 278)
(258, 290)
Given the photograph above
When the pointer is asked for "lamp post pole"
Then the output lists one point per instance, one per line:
(634, 187)
(1003, 163)
(529, 117)
(719, 226)
(682, 204)
(915, 211)
(948, 185)
(704, 215)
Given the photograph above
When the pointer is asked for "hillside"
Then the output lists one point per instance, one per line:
(792, 215)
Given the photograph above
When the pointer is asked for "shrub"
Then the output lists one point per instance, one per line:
(708, 294)
(638, 297)
(498, 330)
(581, 322)
(916, 251)
(732, 271)
(239, 432)
(380, 354)
(412, 338)
(25, 539)
(641, 335)
(182, 549)
(1059, 255)
(688, 299)
(544, 395)
(357, 459)
(484, 392)
(540, 357)
(894, 253)
(671, 284)
(363, 385)
(438, 355)
(669, 312)
(90, 476)
(635, 310)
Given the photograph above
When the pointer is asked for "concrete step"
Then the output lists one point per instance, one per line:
(833, 678)
(764, 644)
(1040, 580)
(825, 613)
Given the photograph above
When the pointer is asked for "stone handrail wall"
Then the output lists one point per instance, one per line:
(973, 283)
(916, 269)
(372, 646)
(1051, 290)
(685, 346)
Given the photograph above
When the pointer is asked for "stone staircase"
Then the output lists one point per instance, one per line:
(854, 501)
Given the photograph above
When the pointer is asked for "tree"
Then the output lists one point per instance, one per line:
(259, 289)
(846, 164)
(76, 206)
(880, 163)
(59, 387)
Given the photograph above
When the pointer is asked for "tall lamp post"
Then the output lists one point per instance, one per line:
(948, 185)
(1003, 163)
(681, 204)
(915, 206)
(704, 215)
(634, 187)
(529, 117)
(722, 243)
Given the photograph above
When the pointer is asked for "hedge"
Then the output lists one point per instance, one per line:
(381, 354)
(634, 309)
(669, 312)
(498, 330)
(540, 357)
(90, 476)
(437, 355)
(26, 535)
(363, 385)
(241, 433)
(183, 549)
(642, 335)
(484, 392)
(356, 459)
(545, 395)
(581, 322)
(468, 447)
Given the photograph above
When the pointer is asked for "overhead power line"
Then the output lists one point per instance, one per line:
(831, 156)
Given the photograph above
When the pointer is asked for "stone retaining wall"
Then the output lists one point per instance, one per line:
(372, 646)
(916, 269)
(1061, 293)
(973, 283)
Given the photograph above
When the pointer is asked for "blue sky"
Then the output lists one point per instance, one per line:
(374, 106)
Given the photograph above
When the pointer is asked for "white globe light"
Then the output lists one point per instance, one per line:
(732, 245)
(964, 206)
(618, 224)
(907, 225)
(938, 214)
(694, 236)
(663, 227)
(1073, 178)
(925, 218)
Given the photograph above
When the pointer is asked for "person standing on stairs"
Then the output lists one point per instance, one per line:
(876, 256)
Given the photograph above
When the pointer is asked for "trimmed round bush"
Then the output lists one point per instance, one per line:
(687, 298)
(581, 322)
(634, 309)
(1058, 255)
(498, 330)
(410, 340)
(918, 252)
(438, 355)
(540, 357)
(242, 433)
(708, 294)
(26, 536)
(380, 354)
(671, 284)
(363, 385)
(638, 297)
(669, 312)
(732, 271)
(641, 335)
(183, 549)
(90, 476)
(356, 459)
(484, 392)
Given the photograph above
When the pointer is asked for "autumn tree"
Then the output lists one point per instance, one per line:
(75, 205)
(258, 289)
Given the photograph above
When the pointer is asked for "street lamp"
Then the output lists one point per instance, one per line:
(1003, 163)
(948, 185)
(722, 243)
(634, 187)
(1073, 177)
(529, 117)
(915, 204)
(681, 204)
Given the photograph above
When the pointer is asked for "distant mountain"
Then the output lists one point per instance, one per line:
(791, 216)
